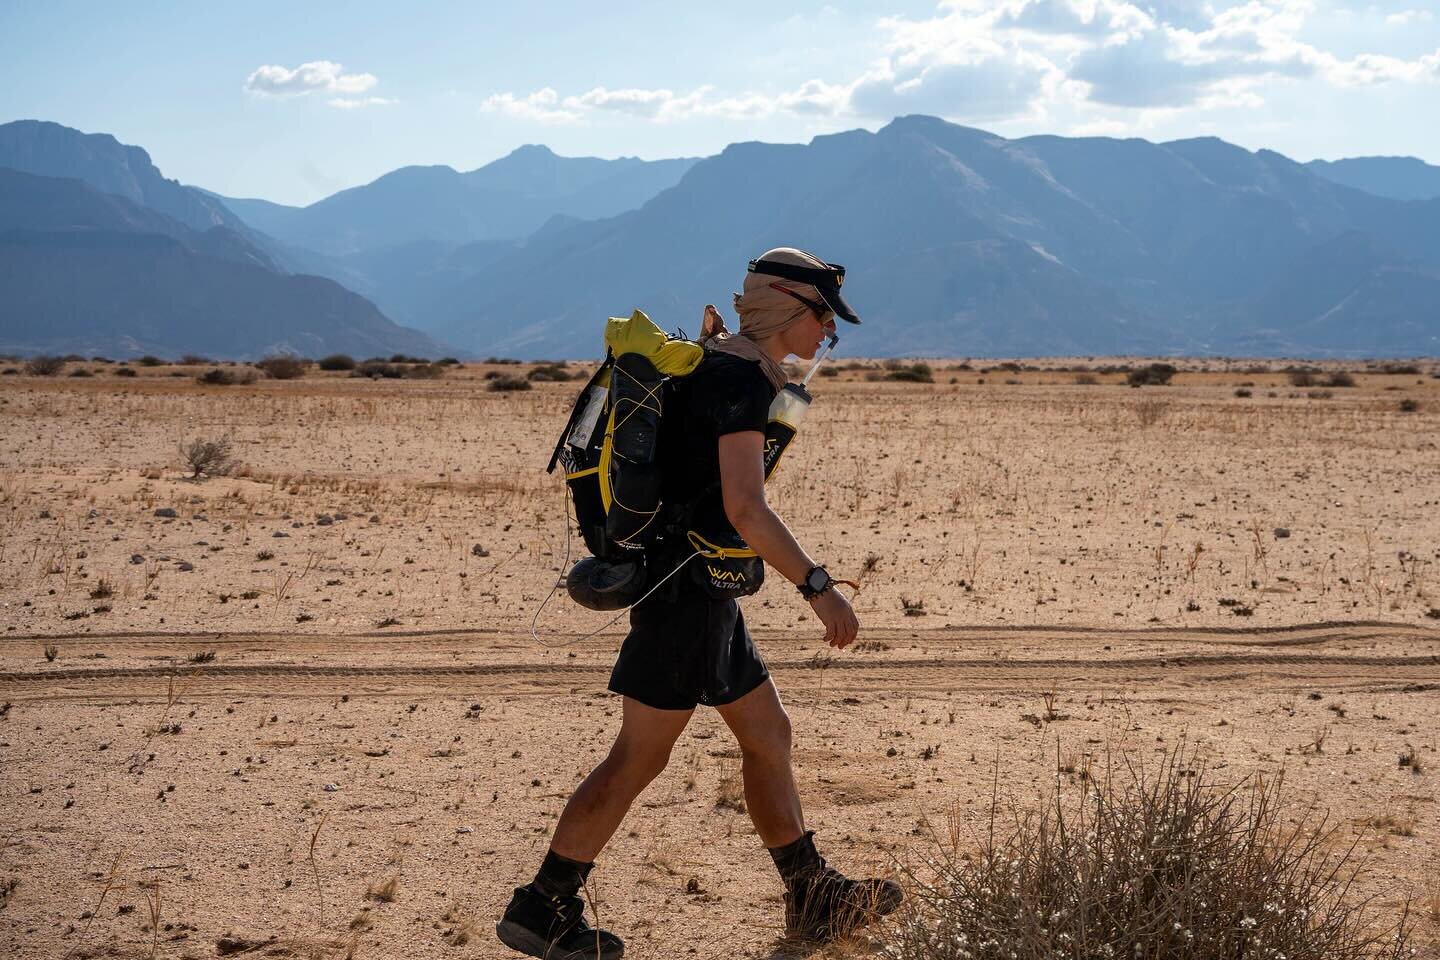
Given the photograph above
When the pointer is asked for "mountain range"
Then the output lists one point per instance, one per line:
(958, 242)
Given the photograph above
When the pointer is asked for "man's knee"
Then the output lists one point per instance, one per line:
(773, 742)
(638, 763)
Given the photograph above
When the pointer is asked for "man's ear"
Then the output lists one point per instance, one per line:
(713, 323)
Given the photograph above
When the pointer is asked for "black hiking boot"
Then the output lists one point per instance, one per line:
(554, 928)
(826, 904)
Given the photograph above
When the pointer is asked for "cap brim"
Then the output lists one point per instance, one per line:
(833, 300)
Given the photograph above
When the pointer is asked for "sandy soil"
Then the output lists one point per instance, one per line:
(318, 677)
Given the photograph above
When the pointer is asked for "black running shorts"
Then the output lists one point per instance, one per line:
(686, 649)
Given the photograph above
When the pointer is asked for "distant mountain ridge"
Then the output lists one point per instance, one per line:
(1401, 178)
(960, 242)
(113, 257)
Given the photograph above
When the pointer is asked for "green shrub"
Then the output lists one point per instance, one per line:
(549, 372)
(337, 361)
(149, 360)
(126, 372)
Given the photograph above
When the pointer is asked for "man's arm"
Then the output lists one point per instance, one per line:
(742, 486)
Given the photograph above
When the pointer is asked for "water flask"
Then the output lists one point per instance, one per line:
(787, 410)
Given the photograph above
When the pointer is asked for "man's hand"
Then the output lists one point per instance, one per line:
(834, 611)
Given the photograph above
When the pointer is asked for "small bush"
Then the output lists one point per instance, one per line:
(81, 372)
(505, 383)
(218, 377)
(1242, 392)
(1409, 405)
(914, 373)
(9, 372)
(194, 360)
(1136, 860)
(375, 369)
(402, 358)
(1402, 368)
(1086, 379)
(1154, 375)
(1319, 394)
(1301, 377)
(211, 458)
(448, 362)
(549, 372)
(424, 371)
(149, 360)
(44, 366)
(500, 360)
(1340, 378)
(337, 361)
(829, 372)
(100, 360)
(126, 372)
(282, 366)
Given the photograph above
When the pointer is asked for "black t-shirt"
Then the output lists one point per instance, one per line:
(725, 394)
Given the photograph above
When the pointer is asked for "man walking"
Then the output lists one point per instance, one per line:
(687, 649)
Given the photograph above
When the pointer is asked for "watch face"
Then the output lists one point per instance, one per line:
(817, 578)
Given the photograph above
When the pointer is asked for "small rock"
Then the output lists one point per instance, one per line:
(44, 514)
(479, 551)
(278, 534)
(167, 512)
(324, 520)
(464, 829)
(374, 518)
(1281, 533)
(184, 566)
(137, 558)
(331, 787)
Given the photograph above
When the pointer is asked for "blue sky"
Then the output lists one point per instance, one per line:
(291, 102)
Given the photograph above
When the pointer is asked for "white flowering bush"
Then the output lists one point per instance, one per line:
(1143, 864)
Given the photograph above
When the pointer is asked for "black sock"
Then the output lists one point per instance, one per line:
(560, 876)
(797, 860)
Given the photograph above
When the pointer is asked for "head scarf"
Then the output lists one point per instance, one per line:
(765, 310)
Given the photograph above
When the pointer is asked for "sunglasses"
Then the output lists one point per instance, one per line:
(820, 308)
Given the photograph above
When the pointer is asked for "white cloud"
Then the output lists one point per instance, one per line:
(355, 103)
(540, 105)
(1406, 17)
(317, 76)
(988, 60)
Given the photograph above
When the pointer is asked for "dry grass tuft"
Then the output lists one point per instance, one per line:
(730, 792)
(385, 891)
(1144, 862)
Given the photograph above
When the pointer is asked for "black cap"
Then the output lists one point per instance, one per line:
(826, 278)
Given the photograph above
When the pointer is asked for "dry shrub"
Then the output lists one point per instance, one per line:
(506, 382)
(918, 372)
(337, 361)
(1154, 374)
(126, 372)
(1303, 377)
(194, 360)
(1161, 862)
(211, 458)
(1086, 379)
(549, 373)
(282, 366)
(1340, 378)
(44, 366)
(1150, 411)
(220, 377)
(149, 360)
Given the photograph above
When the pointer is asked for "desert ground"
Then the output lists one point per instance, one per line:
(330, 705)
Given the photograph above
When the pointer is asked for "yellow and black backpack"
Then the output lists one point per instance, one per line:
(611, 457)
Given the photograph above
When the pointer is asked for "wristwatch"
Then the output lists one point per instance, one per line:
(816, 582)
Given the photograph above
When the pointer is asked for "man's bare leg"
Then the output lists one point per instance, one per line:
(641, 751)
(762, 728)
